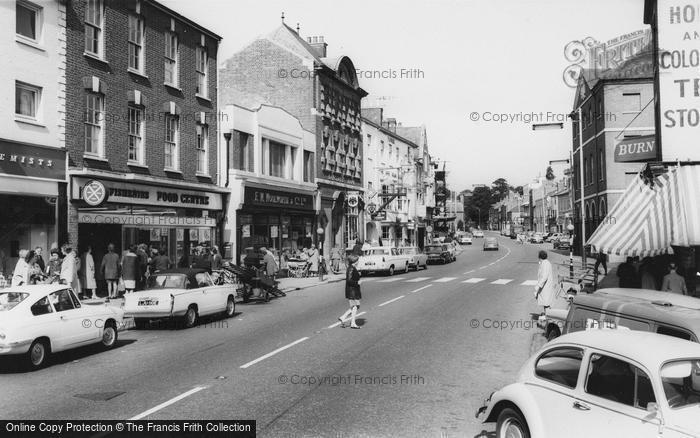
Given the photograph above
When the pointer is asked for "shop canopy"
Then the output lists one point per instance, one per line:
(652, 215)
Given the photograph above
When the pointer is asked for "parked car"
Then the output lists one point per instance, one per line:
(636, 309)
(439, 253)
(416, 257)
(602, 383)
(465, 239)
(478, 233)
(552, 237)
(183, 295)
(490, 243)
(37, 321)
(383, 259)
(563, 242)
(536, 238)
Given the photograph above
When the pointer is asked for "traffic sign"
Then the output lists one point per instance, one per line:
(429, 229)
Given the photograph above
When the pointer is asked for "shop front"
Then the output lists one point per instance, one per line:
(173, 219)
(32, 195)
(276, 219)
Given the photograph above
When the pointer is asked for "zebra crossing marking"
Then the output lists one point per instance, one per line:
(529, 283)
(474, 280)
(501, 281)
(417, 279)
(444, 279)
(389, 280)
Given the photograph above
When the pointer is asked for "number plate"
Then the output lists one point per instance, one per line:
(369, 263)
(148, 302)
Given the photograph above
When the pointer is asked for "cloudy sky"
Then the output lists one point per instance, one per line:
(466, 57)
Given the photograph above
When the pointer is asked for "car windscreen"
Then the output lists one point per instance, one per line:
(433, 249)
(409, 251)
(8, 300)
(167, 281)
(377, 252)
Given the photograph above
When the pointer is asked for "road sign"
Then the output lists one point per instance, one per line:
(429, 229)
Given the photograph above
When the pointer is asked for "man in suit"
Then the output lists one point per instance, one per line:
(673, 282)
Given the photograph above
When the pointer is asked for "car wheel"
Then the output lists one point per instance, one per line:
(267, 296)
(406, 268)
(109, 335)
(425, 266)
(190, 317)
(391, 270)
(38, 354)
(230, 307)
(511, 424)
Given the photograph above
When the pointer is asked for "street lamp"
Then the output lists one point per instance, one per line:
(570, 227)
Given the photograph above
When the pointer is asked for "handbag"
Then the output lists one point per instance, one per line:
(120, 286)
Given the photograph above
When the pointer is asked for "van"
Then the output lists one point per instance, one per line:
(636, 309)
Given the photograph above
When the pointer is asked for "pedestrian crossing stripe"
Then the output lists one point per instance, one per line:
(474, 280)
(390, 280)
(529, 283)
(445, 279)
(501, 281)
(416, 280)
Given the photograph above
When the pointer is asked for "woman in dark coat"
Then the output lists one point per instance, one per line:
(352, 292)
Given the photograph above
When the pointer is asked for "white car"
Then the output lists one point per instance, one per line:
(465, 239)
(383, 259)
(416, 257)
(603, 383)
(39, 320)
(478, 233)
(182, 295)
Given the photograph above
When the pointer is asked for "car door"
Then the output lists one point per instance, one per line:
(613, 398)
(74, 329)
(45, 322)
(214, 296)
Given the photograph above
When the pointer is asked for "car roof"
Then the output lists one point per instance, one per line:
(662, 307)
(648, 348)
(36, 289)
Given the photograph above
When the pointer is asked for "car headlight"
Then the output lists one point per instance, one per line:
(2, 335)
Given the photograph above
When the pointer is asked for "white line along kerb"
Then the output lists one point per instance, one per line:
(261, 358)
(391, 301)
(167, 403)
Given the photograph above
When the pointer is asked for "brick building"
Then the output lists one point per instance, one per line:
(141, 128)
(324, 94)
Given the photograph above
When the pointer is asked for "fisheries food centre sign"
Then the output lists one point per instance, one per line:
(636, 149)
(679, 78)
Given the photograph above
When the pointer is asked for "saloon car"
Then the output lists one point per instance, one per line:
(439, 253)
(39, 320)
(602, 383)
(182, 295)
(465, 239)
(383, 259)
(490, 243)
(478, 233)
(416, 257)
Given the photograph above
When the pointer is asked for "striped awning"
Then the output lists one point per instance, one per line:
(648, 218)
(689, 183)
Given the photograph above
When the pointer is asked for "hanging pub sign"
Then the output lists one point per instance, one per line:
(631, 149)
(353, 199)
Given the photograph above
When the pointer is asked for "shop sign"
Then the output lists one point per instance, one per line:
(636, 149)
(353, 199)
(245, 230)
(279, 199)
(273, 231)
(379, 216)
(87, 190)
(371, 208)
(145, 220)
(33, 161)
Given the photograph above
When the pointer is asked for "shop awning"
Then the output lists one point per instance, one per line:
(649, 218)
(689, 183)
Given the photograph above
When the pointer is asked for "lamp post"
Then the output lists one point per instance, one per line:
(321, 265)
(570, 227)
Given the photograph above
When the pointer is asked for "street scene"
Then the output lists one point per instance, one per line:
(435, 219)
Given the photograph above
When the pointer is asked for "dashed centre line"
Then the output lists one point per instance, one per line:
(345, 320)
(391, 301)
(261, 358)
(421, 288)
(167, 403)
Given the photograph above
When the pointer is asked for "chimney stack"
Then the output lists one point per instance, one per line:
(319, 46)
(391, 124)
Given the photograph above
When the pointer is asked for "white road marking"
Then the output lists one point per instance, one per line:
(389, 280)
(529, 283)
(345, 320)
(469, 272)
(417, 279)
(474, 280)
(253, 362)
(501, 281)
(391, 301)
(483, 267)
(167, 403)
(420, 288)
(444, 279)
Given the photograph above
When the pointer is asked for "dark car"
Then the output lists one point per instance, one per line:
(438, 253)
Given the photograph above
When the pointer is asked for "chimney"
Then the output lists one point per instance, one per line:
(391, 124)
(319, 46)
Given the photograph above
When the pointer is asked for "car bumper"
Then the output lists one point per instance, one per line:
(484, 406)
(16, 347)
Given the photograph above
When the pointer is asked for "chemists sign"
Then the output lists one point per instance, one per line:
(679, 78)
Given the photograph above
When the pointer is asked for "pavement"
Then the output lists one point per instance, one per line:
(432, 346)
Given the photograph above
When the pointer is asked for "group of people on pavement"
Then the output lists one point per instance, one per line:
(651, 273)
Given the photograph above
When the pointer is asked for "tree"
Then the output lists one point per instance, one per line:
(519, 190)
(500, 188)
(460, 225)
(550, 174)
(477, 206)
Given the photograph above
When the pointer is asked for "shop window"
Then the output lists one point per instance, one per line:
(94, 124)
(136, 147)
(93, 28)
(386, 232)
(136, 44)
(171, 59)
(202, 149)
(27, 100)
(276, 159)
(308, 166)
(242, 146)
(172, 134)
(28, 21)
(201, 67)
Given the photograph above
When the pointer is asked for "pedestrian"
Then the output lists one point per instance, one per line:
(646, 274)
(352, 292)
(627, 274)
(143, 266)
(20, 275)
(202, 259)
(335, 258)
(53, 267)
(131, 269)
(545, 288)
(357, 249)
(313, 260)
(184, 261)
(69, 268)
(161, 261)
(601, 259)
(216, 260)
(88, 274)
(366, 247)
(36, 275)
(110, 269)
(673, 282)
(39, 259)
(269, 262)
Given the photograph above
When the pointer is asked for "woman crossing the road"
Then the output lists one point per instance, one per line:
(352, 292)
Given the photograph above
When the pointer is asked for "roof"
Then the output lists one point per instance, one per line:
(35, 288)
(412, 133)
(650, 349)
(184, 19)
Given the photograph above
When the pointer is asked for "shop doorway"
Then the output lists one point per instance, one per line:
(98, 236)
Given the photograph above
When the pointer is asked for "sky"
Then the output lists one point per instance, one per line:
(464, 64)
